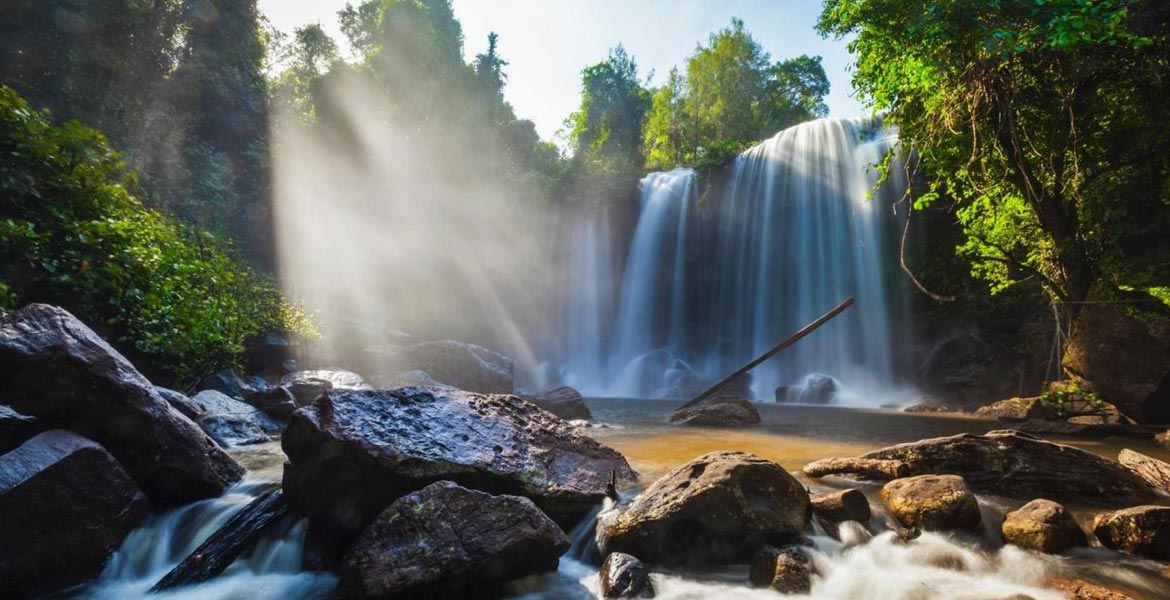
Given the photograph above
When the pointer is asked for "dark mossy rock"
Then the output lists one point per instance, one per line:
(841, 506)
(446, 541)
(276, 402)
(721, 411)
(786, 570)
(1141, 530)
(16, 428)
(1043, 526)
(624, 576)
(65, 506)
(932, 503)
(229, 383)
(458, 364)
(564, 402)
(55, 368)
(717, 509)
(355, 451)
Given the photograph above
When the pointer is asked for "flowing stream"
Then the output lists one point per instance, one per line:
(719, 270)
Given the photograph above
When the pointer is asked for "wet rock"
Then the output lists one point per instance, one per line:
(1141, 530)
(355, 451)
(928, 409)
(1018, 409)
(787, 570)
(65, 507)
(623, 576)
(1079, 589)
(1151, 470)
(307, 391)
(965, 369)
(1012, 464)
(564, 402)
(1043, 526)
(869, 468)
(276, 402)
(413, 378)
(841, 506)
(932, 503)
(445, 541)
(55, 368)
(229, 383)
(337, 378)
(720, 411)
(231, 422)
(716, 509)
(816, 389)
(15, 428)
(464, 366)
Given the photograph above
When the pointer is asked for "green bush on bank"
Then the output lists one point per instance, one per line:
(71, 234)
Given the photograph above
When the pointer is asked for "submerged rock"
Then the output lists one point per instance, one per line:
(932, 503)
(787, 570)
(1043, 526)
(446, 541)
(55, 368)
(721, 411)
(716, 509)
(465, 366)
(623, 576)
(355, 451)
(65, 507)
(1012, 464)
(1141, 530)
(564, 402)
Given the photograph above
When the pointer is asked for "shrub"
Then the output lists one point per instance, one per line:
(71, 234)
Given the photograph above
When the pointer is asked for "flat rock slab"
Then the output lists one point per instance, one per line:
(722, 411)
(564, 402)
(446, 541)
(356, 451)
(55, 368)
(1008, 463)
(65, 506)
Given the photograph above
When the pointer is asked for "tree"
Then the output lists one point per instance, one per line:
(310, 56)
(607, 129)
(1041, 119)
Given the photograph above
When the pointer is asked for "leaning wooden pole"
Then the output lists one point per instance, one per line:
(796, 337)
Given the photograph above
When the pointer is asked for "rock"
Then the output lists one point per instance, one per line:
(413, 378)
(445, 541)
(841, 506)
(788, 570)
(229, 383)
(564, 402)
(1141, 530)
(721, 411)
(180, 402)
(1079, 589)
(355, 451)
(869, 468)
(1122, 357)
(1018, 409)
(1151, 470)
(270, 351)
(623, 576)
(1012, 464)
(231, 422)
(965, 369)
(928, 409)
(307, 391)
(717, 509)
(815, 389)
(1043, 526)
(15, 428)
(465, 366)
(65, 507)
(932, 502)
(337, 378)
(1074, 416)
(278, 403)
(55, 368)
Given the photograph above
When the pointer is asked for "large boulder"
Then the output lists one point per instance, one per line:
(932, 503)
(967, 369)
(1123, 357)
(1141, 530)
(564, 402)
(65, 507)
(717, 509)
(55, 368)
(355, 451)
(15, 428)
(1043, 526)
(721, 411)
(446, 541)
(624, 576)
(1153, 471)
(1008, 463)
(465, 366)
(229, 383)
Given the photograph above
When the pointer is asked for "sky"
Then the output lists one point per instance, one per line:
(548, 42)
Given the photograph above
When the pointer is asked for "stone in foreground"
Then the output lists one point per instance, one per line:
(355, 451)
(1009, 463)
(445, 541)
(623, 576)
(65, 506)
(787, 570)
(55, 368)
(717, 509)
(1043, 526)
(932, 503)
(1141, 530)
(723, 411)
(564, 402)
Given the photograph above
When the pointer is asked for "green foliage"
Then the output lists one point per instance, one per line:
(71, 234)
(605, 132)
(1041, 119)
(1059, 397)
(731, 97)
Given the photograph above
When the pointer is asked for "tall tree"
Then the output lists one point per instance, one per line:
(607, 129)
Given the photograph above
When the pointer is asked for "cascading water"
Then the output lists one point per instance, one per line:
(719, 271)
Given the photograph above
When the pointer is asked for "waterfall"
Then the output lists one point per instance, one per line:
(722, 266)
